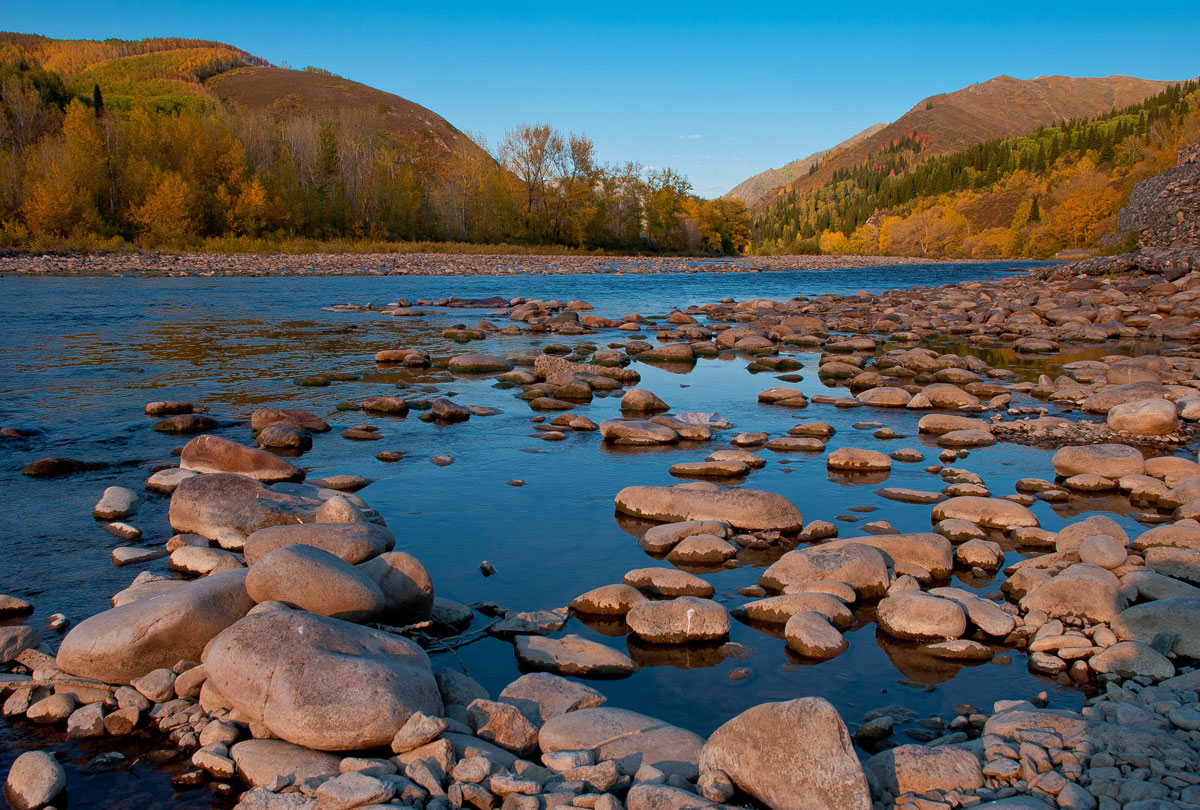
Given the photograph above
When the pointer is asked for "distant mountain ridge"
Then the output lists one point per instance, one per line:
(173, 73)
(285, 92)
(755, 188)
(1001, 107)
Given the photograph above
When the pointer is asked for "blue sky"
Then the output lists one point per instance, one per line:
(717, 91)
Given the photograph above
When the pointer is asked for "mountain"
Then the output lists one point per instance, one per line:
(1055, 189)
(1002, 107)
(285, 92)
(754, 189)
(169, 74)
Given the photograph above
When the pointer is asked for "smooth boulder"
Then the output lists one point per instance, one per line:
(678, 621)
(1179, 616)
(127, 642)
(322, 683)
(991, 513)
(793, 755)
(749, 509)
(918, 616)
(622, 734)
(1146, 417)
(212, 454)
(352, 542)
(406, 585)
(1109, 460)
(34, 780)
(861, 567)
(317, 581)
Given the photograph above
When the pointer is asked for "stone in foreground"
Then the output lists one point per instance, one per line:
(322, 683)
(127, 642)
(794, 755)
(618, 733)
(34, 780)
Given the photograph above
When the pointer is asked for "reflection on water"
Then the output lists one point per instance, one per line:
(80, 358)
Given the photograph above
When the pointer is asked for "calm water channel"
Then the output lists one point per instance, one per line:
(80, 357)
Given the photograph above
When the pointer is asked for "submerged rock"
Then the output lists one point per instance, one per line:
(572, 655)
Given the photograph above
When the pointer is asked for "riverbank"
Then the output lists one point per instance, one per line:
(150, 263)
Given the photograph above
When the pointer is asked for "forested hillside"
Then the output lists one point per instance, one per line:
(186, 143)
(1056, 189)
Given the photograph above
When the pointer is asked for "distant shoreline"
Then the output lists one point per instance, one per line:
(425, 264)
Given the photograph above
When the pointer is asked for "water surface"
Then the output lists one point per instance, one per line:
(80, 357)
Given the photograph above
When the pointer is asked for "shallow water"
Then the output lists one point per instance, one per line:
(80, 357)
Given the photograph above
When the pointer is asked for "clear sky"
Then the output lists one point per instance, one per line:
(717, 91)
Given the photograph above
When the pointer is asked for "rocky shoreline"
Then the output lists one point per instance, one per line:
(150, 263)
(287, 657)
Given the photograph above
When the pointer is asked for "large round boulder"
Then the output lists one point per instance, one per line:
(126, 642)
(34, 781)
(1179, 616)
(1109, 460)
(212, 454)
(317, 581)
(749, 509)
(406, 585)
(223, 504)
(920, 617)
(678, 621)
(1146, 417)
(861, 567)
(352, 542)
(992, 513)
(1082, 590)
(794, 755)
(322, 683)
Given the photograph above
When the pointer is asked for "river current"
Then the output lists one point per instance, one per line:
(79, 358)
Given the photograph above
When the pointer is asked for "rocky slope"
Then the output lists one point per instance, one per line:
(1165, 210)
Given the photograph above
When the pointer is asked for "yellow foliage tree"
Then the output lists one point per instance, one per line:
(833, 242)
(66, 176)
(166, 216)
